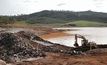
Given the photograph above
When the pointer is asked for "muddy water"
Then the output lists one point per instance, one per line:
(95, 34)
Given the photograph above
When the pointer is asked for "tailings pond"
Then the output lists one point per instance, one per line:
(95, 34)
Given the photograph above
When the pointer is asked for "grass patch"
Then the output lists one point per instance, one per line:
(80, 23)
(87, 24)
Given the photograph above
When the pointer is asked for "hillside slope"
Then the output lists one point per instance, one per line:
(58, 17)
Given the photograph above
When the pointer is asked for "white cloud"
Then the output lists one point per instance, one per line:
(61, 4)
(11, 7)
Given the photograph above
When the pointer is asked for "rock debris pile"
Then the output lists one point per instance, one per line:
(97, 51)
(13, 48)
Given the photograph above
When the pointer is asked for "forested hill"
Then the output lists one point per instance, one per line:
(4, 20)
(53, 17)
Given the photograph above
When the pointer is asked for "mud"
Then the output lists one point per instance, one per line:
(54, 35)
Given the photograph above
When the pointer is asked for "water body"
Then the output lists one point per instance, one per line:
(95, 34)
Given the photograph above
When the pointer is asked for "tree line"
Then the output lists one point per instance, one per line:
(7, 20)
(51, 17)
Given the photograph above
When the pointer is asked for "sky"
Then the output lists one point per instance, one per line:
(17, 7)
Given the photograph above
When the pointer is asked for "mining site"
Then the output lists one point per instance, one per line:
(24, 46)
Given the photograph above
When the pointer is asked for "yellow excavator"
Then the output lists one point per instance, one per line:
(84, 41)
(85, 45)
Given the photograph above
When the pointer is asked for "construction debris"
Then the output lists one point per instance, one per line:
(48, 46)
(14, 48)
(97, 51)
(18, 46)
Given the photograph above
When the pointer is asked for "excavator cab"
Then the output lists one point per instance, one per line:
(84, 42)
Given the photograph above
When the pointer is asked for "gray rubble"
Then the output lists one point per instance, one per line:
(14, 48)
(97, 51)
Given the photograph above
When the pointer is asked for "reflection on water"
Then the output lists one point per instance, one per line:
(96, 34)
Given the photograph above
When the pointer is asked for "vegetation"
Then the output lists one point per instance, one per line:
(86, 24)
(86, 18)
(9, 20)
(4, 20)
(53, 17)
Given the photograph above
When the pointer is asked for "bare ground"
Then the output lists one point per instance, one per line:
(61, 59)
(65, 59)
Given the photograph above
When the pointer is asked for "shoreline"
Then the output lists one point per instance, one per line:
(54, 35)
(58, 33)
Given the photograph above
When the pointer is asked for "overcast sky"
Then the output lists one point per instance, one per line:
(14, 7)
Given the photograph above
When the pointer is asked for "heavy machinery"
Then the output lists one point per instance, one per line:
(85, 45)
(84, 41)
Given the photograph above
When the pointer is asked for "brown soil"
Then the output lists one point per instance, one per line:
(61, 59)
(57, 34)
(64, 59)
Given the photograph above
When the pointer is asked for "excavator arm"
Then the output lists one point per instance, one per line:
(84, 40)
(82, 37)
(76, 43)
